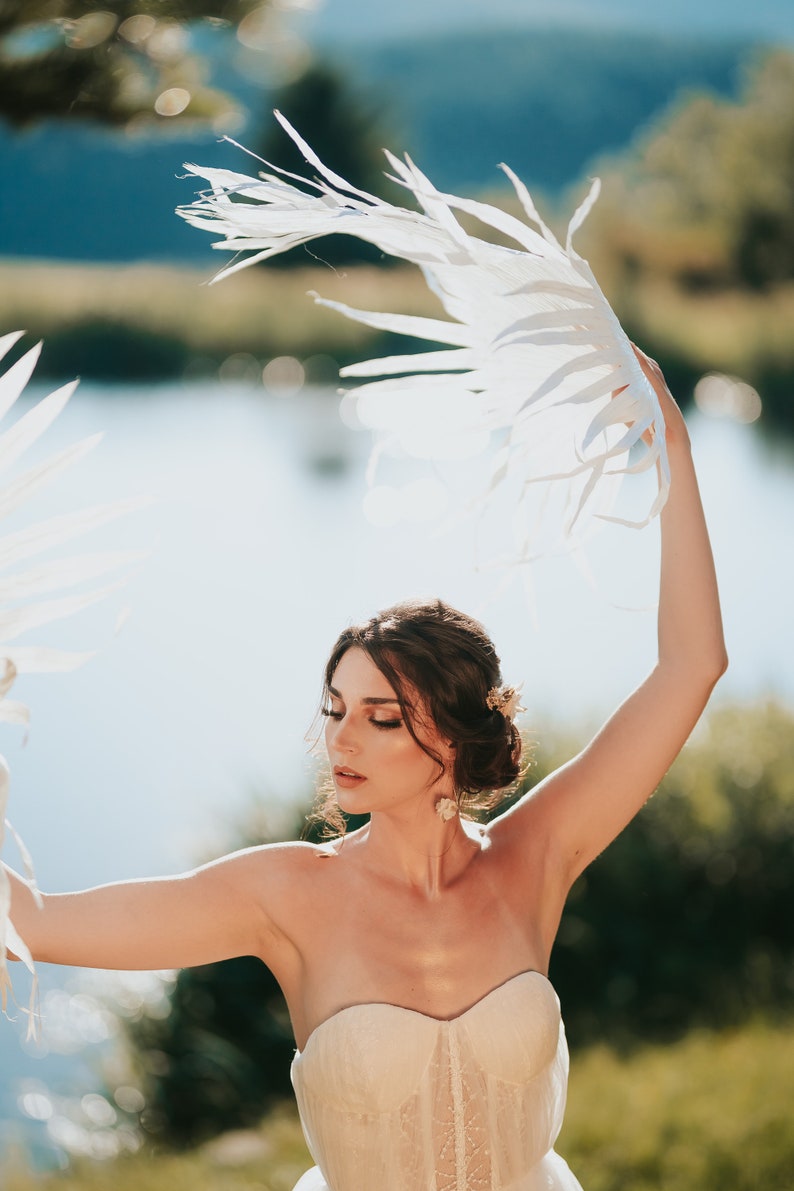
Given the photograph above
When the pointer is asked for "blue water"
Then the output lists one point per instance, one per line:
(144, 761)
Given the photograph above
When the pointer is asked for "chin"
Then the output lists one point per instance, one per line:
(351, 803)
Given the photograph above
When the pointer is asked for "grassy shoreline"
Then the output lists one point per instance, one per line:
(157, 322)
(176, 316)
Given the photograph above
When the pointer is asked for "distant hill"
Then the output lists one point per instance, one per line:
(546, 101)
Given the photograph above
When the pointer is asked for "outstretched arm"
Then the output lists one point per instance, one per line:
(581, 807)
(212, 913)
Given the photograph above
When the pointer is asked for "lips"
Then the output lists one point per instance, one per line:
(346, 777)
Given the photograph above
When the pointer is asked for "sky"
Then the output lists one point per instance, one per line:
(365, 20)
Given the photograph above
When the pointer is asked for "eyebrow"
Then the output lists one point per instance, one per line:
(370, 701)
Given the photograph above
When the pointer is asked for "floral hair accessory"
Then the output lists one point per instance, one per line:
(505, 700)
(446, 808)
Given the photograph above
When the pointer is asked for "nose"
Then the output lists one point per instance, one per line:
(341, 736)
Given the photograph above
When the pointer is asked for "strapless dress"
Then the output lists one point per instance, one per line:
(393, 1100)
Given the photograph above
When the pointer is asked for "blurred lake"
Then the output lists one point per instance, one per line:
(145, 760)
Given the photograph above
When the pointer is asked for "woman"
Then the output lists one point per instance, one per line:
(413, 954)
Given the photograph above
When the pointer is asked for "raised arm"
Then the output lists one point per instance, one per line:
(212, 913)
(581, 807)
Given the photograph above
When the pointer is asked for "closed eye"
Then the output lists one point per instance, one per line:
(338, 715)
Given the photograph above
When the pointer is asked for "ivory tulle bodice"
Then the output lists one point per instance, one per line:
(394, 1100)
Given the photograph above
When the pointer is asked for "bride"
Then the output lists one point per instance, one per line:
(413, 952)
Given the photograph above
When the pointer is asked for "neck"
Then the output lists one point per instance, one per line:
(419, 848)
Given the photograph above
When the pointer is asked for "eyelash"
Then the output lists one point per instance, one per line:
(386, 724)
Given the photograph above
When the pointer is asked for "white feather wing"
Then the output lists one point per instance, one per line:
(22, 607)
(534, 351)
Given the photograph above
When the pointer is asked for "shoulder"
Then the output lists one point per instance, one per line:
(284, 886)
(271, 861)
(267, 874)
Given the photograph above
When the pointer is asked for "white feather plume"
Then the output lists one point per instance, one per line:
(534, 351)
(21, 607)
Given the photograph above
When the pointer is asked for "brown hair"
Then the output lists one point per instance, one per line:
(449, 661)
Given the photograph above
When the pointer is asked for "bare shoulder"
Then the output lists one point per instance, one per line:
(279, 880)
(271, 867)
(285, 886)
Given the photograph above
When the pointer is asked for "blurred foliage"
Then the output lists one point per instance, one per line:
(272, 1158)
(709, 1113)
(686, 918)
(103, 349)
(119, 323)
(693, 237)
(706, 195)
(347, 131)
(220, 1058)
(122, 62)
(684, 921)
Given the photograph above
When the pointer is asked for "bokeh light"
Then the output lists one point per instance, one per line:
(129, 1099)
(721, 396)
(240, 368)
(136, 29)
(257, 28)
(90, 30)
(167, 42)
(37, 1105)
(172, 102)
(284, 376)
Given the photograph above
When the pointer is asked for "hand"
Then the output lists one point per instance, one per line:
(675, 426)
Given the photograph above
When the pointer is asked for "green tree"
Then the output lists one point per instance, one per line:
(117, 62)
(707, 195)
(346, 131)
(220, 1058)
(685, 920)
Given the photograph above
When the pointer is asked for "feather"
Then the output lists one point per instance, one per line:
(532, 340)
(43, 535)
(21, 607)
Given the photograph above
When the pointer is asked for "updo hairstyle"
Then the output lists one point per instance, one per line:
(430, 651)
